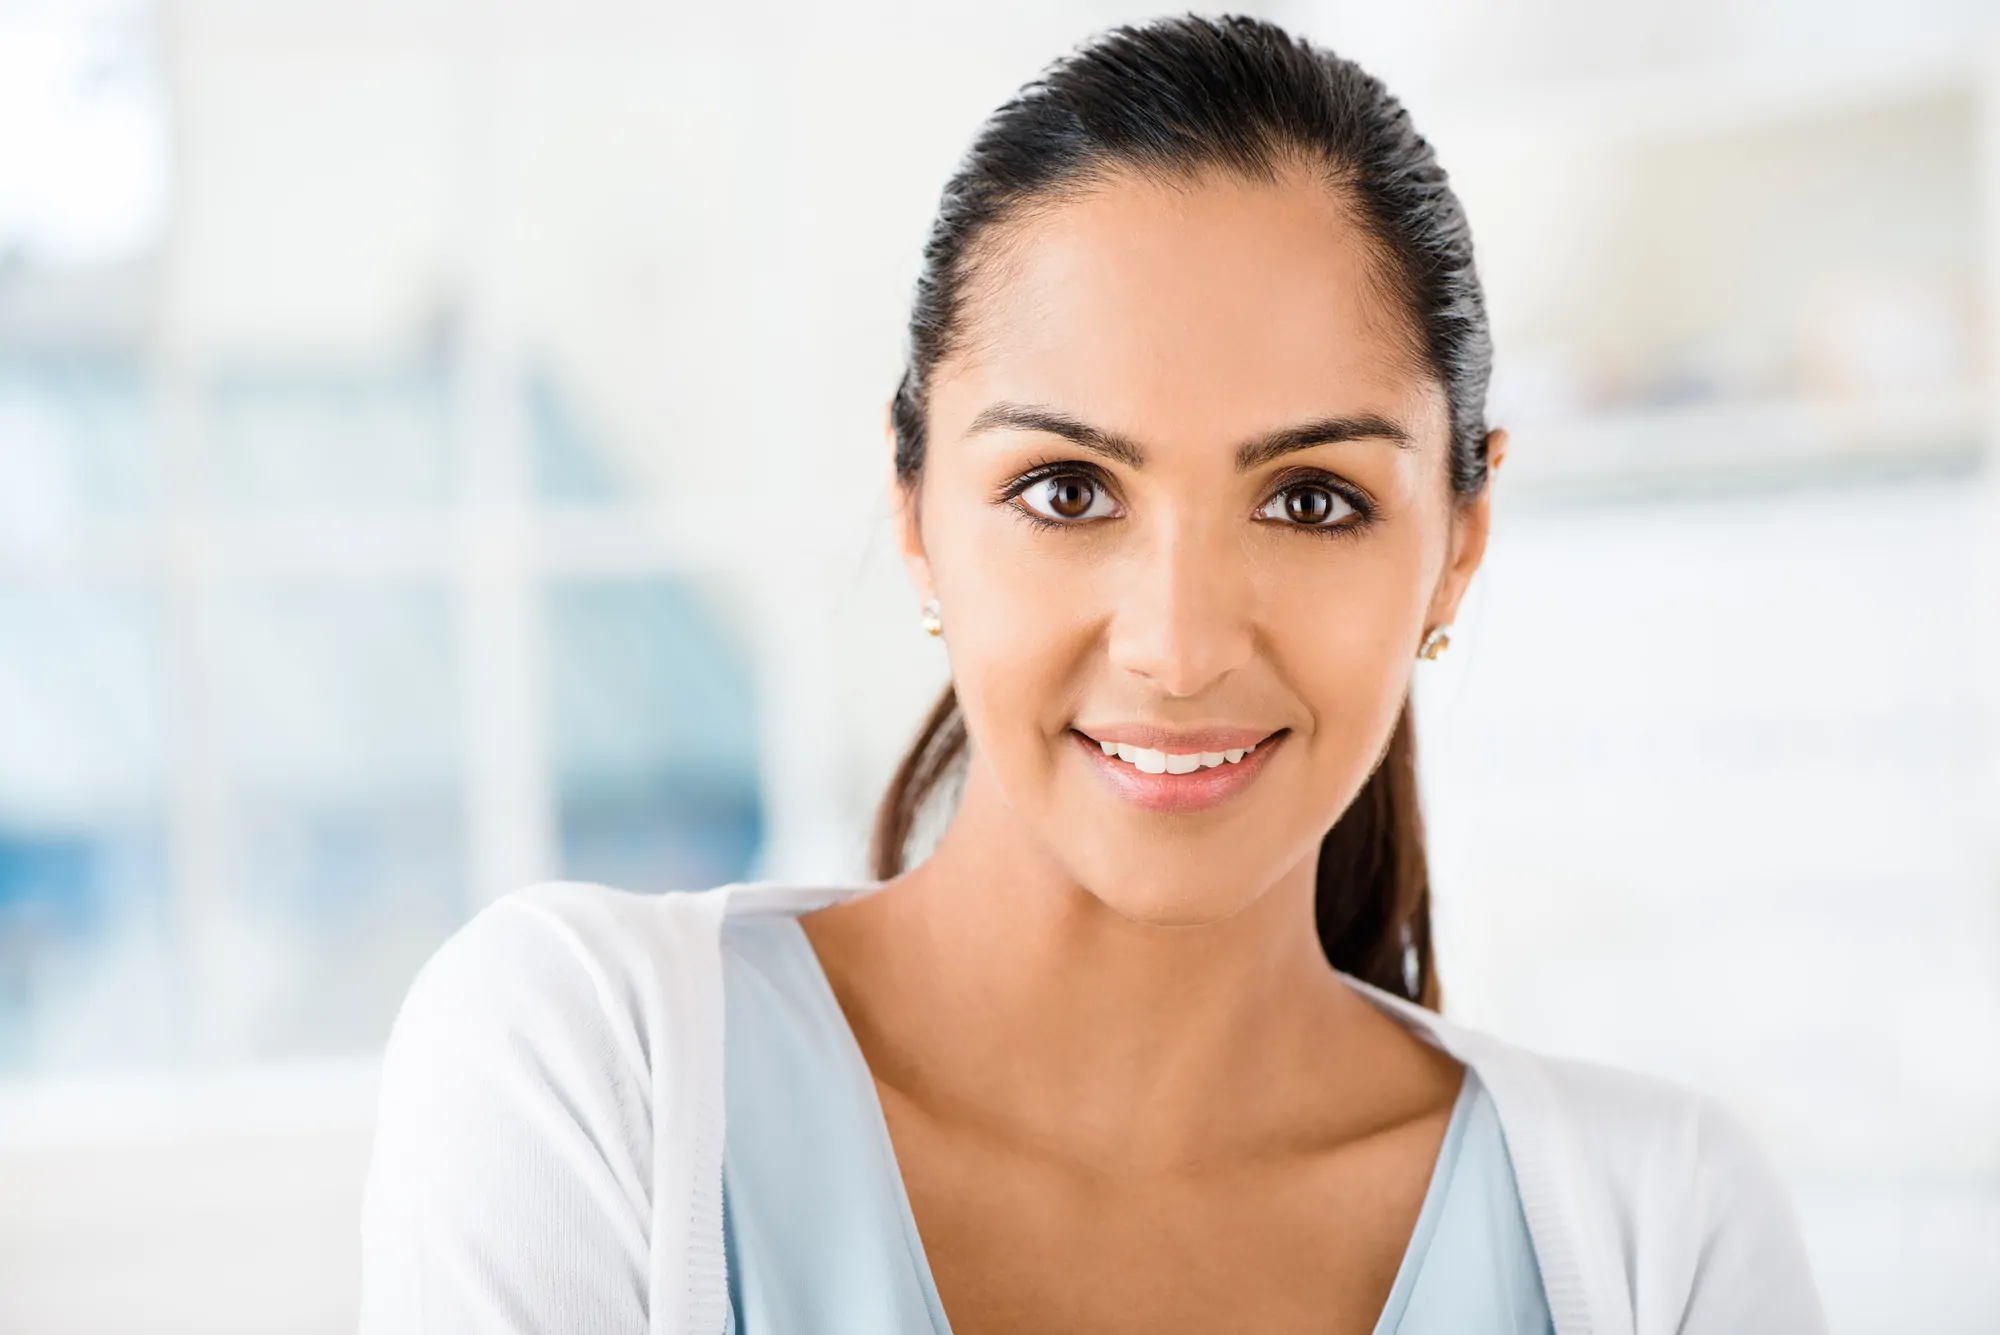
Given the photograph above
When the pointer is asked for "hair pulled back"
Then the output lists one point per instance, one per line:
(1172, 99)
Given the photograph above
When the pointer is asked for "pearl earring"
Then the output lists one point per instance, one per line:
(932, 623)
(1435, 643)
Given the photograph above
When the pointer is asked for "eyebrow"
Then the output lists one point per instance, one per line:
(1325, 431)
(1250, 454)
(1028, 417)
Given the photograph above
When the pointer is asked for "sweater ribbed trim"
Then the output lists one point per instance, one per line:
(690, 1280)
(1571, 1232)
(688, 1258)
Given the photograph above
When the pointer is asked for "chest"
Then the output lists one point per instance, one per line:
(847, 1212)
(1297, 1244)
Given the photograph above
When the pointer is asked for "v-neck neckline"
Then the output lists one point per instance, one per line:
(1407, 1270)
(856, 1062)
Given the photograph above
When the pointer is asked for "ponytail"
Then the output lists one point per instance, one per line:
(1372, 890)
(939, 746)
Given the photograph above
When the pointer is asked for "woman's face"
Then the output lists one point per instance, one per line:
(1185, 498)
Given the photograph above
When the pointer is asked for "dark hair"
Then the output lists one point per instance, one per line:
(1171, 99)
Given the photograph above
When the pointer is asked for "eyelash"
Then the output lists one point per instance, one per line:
(1043, 471)
(1010, 495)
(1364, 507)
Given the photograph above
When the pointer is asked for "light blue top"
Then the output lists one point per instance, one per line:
(819, 1233)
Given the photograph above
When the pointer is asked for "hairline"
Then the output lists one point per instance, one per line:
(990, 255)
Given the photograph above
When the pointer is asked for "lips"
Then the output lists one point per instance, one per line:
(1178, 772)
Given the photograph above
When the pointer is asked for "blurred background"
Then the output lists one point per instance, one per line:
(440, 448)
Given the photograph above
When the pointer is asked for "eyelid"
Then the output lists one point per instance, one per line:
(1358, 500)
(1298, 473)
(1054, 468)
(1320, 477)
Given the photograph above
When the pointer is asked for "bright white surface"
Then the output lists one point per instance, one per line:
(206, 1235)
(81, 85)
(208, 1204)
(1709, 795)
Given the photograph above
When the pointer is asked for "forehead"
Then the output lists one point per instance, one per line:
(1204, 308)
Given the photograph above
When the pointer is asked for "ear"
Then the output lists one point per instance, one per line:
(908, 520)
(1468, 543)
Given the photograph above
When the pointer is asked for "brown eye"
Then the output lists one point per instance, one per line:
(1068, 497)
(1309, 506)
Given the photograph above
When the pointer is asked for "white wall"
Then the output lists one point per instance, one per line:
(1706, 791)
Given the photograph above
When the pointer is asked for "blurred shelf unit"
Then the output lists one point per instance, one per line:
(1705, 100)
(1747, 445)
(1752, 277)
(688, 538)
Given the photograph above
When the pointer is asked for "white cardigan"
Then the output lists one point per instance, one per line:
(549, 1152)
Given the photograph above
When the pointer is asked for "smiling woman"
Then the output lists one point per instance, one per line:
(1191, 469)
(1226, 359)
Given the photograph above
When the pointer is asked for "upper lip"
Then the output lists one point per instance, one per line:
(1177, 741)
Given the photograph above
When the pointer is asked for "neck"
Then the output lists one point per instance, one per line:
(989, 986)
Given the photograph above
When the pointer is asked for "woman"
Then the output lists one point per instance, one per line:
(1191, 468)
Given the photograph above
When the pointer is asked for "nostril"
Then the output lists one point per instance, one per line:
(1182, 643)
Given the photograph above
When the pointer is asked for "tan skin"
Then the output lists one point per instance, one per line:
(1126, 1091)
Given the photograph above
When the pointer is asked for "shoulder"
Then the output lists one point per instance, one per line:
(554, 950)
(544, 962)
(1633, 1126)
(552, 1090)
(542, 998)
(560, 986)
(1704, 1213)
(1619, 1124)
(1643, 1196)
(520, 1116)
(1703, 1224)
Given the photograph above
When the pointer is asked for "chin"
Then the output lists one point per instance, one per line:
(1173, 891)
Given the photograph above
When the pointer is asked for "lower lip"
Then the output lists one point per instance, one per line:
(1180, 793)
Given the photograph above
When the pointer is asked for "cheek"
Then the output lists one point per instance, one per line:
(1020, 618)
(1342, 628)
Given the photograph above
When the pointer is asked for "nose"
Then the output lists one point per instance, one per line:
(1184, 618)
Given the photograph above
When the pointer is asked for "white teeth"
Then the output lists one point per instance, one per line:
(1150, 761)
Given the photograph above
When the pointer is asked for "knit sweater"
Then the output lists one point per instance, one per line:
(548, 1156)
